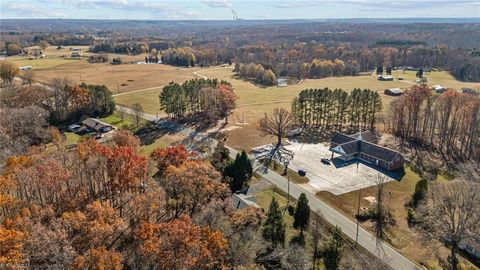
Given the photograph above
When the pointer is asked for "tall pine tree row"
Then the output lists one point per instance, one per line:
(337, 109)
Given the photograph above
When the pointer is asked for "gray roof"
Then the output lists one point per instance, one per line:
(377, 151)
(95, 124)
(351, 145)
(366, 136)
(89, 122)
(340, 138)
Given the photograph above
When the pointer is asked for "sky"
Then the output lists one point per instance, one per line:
(221, 9)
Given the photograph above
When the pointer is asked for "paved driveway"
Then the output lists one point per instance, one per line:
(339, 177)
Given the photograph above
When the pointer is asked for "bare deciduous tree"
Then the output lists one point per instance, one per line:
(381, 210)
(295, 258)
(122, 110)
(316, 231)
(276, 124)
(453, 213)
(137, 112)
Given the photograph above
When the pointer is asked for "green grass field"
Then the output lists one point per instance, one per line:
(149, 100)
(254, 100)
(41, 63)
(72, 138)
(53, 58)
(437, 77)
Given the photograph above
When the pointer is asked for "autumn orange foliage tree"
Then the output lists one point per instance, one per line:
(95, 207)
(191, 185)
(97, 226)
(180, 244)
(99, 258)
(11, 247)
(170, 156)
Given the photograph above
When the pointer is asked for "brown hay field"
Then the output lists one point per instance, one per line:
(118, 78)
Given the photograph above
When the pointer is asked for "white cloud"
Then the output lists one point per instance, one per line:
(380, 5)
(28, 9)
(115, 4)
(217, 3)
(24, 8)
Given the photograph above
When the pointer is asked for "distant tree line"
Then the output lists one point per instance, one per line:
(179, 57)
(212, 98)
(256, 72)
(466, 67)
(337, 109)
(121, 48)
(448, 122)
(400, 42)
(64, 39)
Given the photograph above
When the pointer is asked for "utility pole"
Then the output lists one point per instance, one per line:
(288, 186)
(358, 214)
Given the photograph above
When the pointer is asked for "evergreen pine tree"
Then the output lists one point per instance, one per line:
(220, 157)
(274, 227)
(239, 172)
(333, 249)
(302, 214)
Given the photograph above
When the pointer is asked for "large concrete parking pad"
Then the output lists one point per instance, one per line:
(339, 177)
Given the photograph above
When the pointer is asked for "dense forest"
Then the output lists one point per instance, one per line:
(288, 48)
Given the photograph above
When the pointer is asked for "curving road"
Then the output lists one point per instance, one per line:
(380, 249)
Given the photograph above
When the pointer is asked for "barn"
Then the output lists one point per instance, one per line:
(363, 146)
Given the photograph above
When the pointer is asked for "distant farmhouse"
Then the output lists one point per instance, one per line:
(385, 77)
(362, 145)
(282, 82)
(394, 92)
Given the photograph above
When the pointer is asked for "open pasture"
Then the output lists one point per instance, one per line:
(254, 101)
(118, 78)
(442, 78)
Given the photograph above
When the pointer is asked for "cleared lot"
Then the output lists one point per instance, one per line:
(339, 177)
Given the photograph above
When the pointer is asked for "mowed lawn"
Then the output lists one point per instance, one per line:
(254, 101)
(53, 58)
(148, 99)
(442, 78)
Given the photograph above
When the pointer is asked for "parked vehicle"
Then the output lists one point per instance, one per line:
(325, 161)
(74, 128)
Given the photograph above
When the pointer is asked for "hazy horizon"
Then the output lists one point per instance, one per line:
(249, 10)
